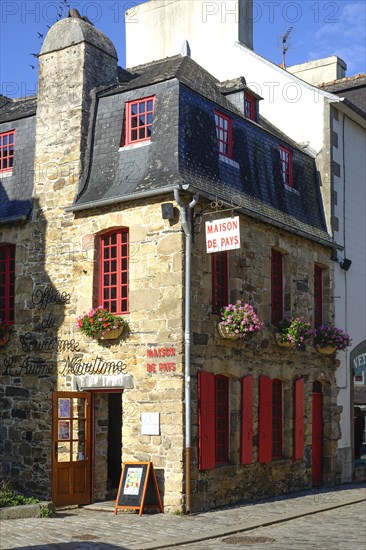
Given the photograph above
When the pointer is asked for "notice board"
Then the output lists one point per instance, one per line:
(138, 488)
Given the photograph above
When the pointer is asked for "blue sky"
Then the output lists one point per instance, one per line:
(320, 28)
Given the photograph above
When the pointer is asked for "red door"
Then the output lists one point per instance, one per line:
(317, 437)
(71, 448)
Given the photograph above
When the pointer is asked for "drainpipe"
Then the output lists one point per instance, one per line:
(186, 225)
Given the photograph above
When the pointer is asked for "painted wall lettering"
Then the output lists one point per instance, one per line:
(161, 366)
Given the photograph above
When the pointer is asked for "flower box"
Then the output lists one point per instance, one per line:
(112, 334)
(282, 344)
(239, 320)
(327, 350)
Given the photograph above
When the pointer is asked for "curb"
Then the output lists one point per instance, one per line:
(24, 511)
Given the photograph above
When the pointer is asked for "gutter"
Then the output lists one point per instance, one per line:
(125, 198)
(186, 225)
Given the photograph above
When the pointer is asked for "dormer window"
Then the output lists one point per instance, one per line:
(7, 142)
(250, 107)
(286, 166)
(139, 119)
(224, 129)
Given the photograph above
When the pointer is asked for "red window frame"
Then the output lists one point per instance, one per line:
(222, 419)
(299, 413)
(7, 145)
(7, 283)
(286, 166)
(219, 263)
(276, 287)
(318, 296)
(114, 271)
(139, 120)
(277, 411)
(224, 133)
(250, 107)
(246, 448)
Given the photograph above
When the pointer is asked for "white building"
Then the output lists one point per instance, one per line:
(219, 36)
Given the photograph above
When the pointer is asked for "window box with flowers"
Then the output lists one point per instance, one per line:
(328, 339)
(239, 320)
(294, 332)
(5, 333)
(101, 324)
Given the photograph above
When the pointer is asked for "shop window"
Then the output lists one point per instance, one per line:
(277, 413)
(7, 283)
(276, 287)
(213, 397)
(224, 134)
(7, 142)
(318, 296)
(246, 447)
(219, 264)
(114, 271)
(286, 166)
(250, 107)
(139, 120)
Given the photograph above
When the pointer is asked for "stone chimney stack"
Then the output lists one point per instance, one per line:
(75, 58)
(246, 23)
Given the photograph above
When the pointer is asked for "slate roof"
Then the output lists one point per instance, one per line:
(15, 109)
(183, 150)
(352, 88)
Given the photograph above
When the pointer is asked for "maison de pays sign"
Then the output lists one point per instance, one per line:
(223, 234)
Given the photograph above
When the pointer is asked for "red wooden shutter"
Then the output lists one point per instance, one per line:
(206, 420)
(265, 420)
(246, 451)
(299, 419)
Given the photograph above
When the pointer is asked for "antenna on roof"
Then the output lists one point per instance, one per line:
(285, 46)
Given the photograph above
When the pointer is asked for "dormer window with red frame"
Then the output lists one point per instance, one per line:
(224, 133)
(7, 142)
(139, 119)
(286, 166)
(250, 107)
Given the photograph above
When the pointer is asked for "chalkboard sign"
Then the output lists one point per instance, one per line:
(138, 487)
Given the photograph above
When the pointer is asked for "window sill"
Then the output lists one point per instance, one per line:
(135, 145)
(6, 173)
(228, 161)
(291, 189)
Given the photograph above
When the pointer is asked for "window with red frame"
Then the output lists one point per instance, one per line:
(139, 120)
(318, 296)
(7, 283)
(224, 134)
(7, 142)
(286, 166)
(276, 287)
(114, 271)
(222, 419)
(219, 281)
(276, 418)
(250, 107)
(213, 420)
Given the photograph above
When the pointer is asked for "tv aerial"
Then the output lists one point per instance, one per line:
(285, 45)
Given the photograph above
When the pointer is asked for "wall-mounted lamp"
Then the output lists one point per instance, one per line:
(345, 264)
(167, 211)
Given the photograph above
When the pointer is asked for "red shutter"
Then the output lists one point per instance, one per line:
(206, 420)
(265, 420)
(299, 419)
(246, 451)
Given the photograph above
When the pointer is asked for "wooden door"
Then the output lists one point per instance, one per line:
(317, 436)
(71, 438)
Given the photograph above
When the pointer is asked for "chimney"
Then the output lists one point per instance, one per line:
(246, 23)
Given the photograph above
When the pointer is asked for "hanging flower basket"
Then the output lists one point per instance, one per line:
(282, 343)
(239, 320)
(294, 331)
(101, 324)
(326, 351)
(112, 334)
(225, 333)
(329, 337)
(5, 333)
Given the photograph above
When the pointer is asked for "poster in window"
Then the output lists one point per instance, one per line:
(64, 429)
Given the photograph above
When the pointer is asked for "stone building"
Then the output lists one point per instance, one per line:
(107, 179)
